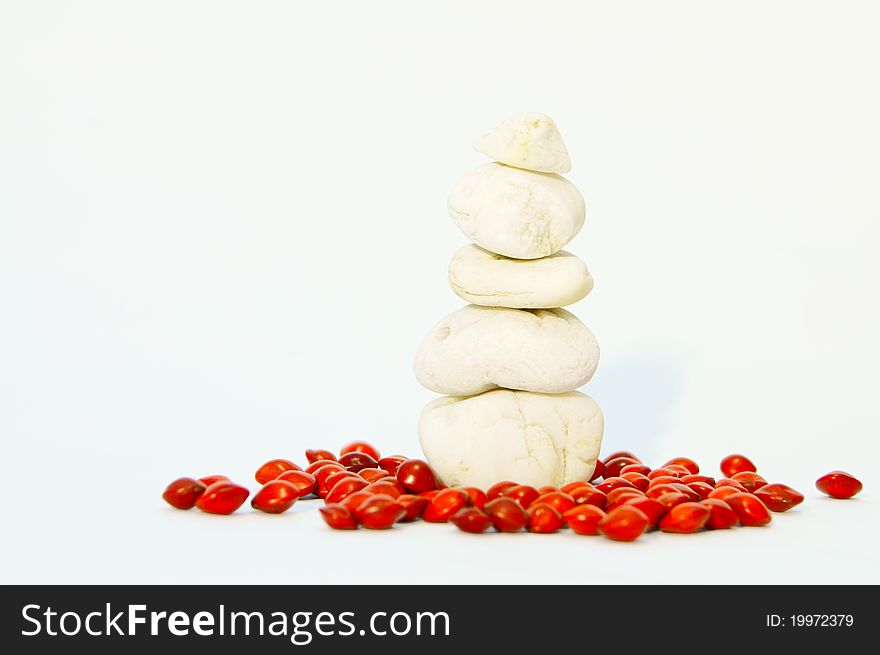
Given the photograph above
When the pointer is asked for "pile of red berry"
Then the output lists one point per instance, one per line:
(623, 499)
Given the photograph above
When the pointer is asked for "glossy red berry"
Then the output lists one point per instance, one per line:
(360, 447)
(385, 487)
(497, 490)
(544, 519)
(650, 507)
(733, 464)
(304, 482)
(638, 480)
(749, 509)
(416, 476)
(343, 488)
(477, 497)
(313, 456)
(779, 497)
(183, 493)
(314, 466)
(471, 519)
(583, 519)
(414, 506)
(729, 482)
(701, 488)
(721, 515)
(588, 495)
(598, 471)
(613, 483)
(620, 453)
(391, 463)
(706, 479)
(273, 468)
(686, 462)
(222, 497)
(613, 466)
(444, 505)
(338, 517)
(379, 512)
(523, 494)
(720, 493)
(624, 523)
(353, 500)
(750, 480)
(275, 497)
(356, 461)
(685, 518)
(663, 471)
(506, 514)
(839, 484)
(636, 468)
(559, 501)
(208, 480)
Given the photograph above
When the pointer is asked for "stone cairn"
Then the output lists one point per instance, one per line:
(509, 362)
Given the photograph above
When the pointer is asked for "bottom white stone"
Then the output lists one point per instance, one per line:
(530, 438)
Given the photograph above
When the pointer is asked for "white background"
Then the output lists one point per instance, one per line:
(223, 234)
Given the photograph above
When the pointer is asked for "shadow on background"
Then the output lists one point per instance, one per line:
(638, 398)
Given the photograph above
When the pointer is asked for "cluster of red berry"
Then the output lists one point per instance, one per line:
(361, 488)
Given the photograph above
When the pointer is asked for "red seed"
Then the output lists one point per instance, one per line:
(273, 468)
(733, 464)
(638, 480)
(650, 507)
(588, 496)
(338, 517)
(571, 486)
(701, 488)
(720, 493)
(429, 494)
(728, 482)
(615, 494)
(622, 498)
(331, 480)
(685, 518)
(183, 493)
(839, 484)
(672, 499)
(314, 466)
(313, 456)
(208, 480)
(445, 504)
(304, 482)
(686, 462)
(614, 483)
(275, 497)
(625, 523)
(692, 494)
(660, 489)
(386, 488)
(749, 480)
(598, 471)
(721, 514)
(613, 466)
(779, 497)
(621, 453)
(477, 497)
(678, 469)
(360, 447)
(662, 479)
(416, 476)
(544, 519)
(391, 463)
(749, 509)
(222, 497)
(414, 506)
(506, 514)
(687, 479)
(321, 475)
(497, 490)
(353, 500)
(656, 473)
(356, 461)
(636, 468)
(547, 489)
(379, 512)
(523, 494)
(471, 519)
(343, 488)
(557, 500)
(583, 519)
(373, 474)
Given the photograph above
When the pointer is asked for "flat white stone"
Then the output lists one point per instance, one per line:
(484, 278)
(529, 438)
(517, 213)
(530, 141)
(475, 349)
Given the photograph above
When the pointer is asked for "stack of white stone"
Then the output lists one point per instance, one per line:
(509, 363)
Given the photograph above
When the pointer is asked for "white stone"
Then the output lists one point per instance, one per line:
(530, 141)
(517, 213)
(476, 349)
(529, 438)
(484, 278)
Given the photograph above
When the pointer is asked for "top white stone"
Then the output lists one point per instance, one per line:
(531, 141)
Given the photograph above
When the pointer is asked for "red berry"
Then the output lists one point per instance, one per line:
(373, 474)
(685, 518)
(598, 471)
(471, 519)
(656, 473)
(304, 482)
(416, 476)
(613, 466)
(506, 514)
(208, 480)
(544, 519)
(321, 475)
(379, 512)
(663, 479)
(749, 480)
(686, 462)
(313, 456)
(638, 480)
(343, 488)
(557, 500)
(588, 496)
(356, 461)
(360, 447)
(687, 479)
(275, 497)
(314, 466)
(779, 497)
(678, 469)
(721, 515)
(621, 453)
(701, 488)
(497, 490)
(838, 484)
(445, 504)
(353, 500)
(658, 490)
(615, 494)
(749, 509)
(331, 480)
(733, 464)
(583, 519)
(547, 489)
(222, 497)
(672, 499)
(623, 498)
(273, 468)
(391, 463)
(728, 482)
(183, 493)
(523, 494)
(720, 493)
(624, 523)
(385, 487)
(650, 507)
(613, 483)
(636, 468)
(477, 497)
(414, 506)
(338, 517)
